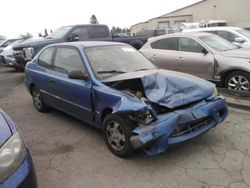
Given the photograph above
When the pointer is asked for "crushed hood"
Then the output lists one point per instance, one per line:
(169, 88)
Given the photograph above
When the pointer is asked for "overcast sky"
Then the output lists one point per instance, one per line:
(33, 16)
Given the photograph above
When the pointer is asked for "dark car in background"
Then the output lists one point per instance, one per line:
(113, 87)
(25, 51)
(204, 55)
(16, 166)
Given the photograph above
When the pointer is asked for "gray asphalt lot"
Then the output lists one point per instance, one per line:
(70, 154)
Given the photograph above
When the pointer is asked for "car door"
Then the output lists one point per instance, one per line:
(43, 75)
(71, 95)
(163, 53)
(194, 58)
(81, 33)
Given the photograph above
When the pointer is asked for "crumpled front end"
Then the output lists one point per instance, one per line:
(180, 125)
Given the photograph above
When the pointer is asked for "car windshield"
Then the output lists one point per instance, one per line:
(218, 43)
(107, 61)
(60, 33)
(244, 32)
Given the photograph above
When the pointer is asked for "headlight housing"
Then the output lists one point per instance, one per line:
(28, 52)
(215, 93)
(12, 154)
(143, 117)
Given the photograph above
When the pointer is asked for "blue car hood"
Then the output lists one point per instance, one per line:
(169, 88)
(5, 131)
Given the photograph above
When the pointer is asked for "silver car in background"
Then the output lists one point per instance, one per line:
(236, 35)
(204, 55)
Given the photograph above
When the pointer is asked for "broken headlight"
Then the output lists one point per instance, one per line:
(215, 93)
(142, 116)
(12, 154)
(28, 52)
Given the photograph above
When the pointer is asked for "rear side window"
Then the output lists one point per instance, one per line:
(98, 32)
(67, 60)
(45, 58)
(166, 44)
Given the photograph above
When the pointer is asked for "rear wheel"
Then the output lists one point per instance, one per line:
(37, 100)
(117, 133)
(238, 80)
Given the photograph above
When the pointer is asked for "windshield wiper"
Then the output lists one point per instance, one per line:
(110, 71)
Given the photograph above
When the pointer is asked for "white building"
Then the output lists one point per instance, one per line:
(235, 12)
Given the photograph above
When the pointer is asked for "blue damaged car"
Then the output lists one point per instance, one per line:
(16, 166)
(113, 87)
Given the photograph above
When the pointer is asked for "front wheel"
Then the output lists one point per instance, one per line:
(238, 80)
(37, 100)
(117, 133)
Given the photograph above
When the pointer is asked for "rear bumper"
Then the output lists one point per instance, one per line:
(23, 177)
(180, 125)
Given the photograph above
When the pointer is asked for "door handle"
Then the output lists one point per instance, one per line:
(154, 55)
(180, 59)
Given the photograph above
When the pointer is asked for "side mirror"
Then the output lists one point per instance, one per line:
(73, 37)
(78, 75)
(239, 40)
(204, 51)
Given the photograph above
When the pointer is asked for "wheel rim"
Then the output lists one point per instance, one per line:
(37, 99)
(115, 135)
(239, 83)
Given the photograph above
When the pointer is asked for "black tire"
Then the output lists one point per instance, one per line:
(38, 101)
(125, 128)
(22, 68)
(18, 68)
(238, 80)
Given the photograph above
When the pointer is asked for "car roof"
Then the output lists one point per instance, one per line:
(80, 25)
(86, 44)
(189, 34)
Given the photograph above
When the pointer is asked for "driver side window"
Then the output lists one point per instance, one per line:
(189, 45)
(67, 60)
(81, 32)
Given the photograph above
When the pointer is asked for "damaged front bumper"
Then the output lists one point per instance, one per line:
(180, 125)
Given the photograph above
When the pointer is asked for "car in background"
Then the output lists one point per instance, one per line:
(235, 35)
(6, 43)
(155, 32)
(16, 166)
(113, 87)
(213, 23)
(204, 55)
(7, 58)
(26, 51)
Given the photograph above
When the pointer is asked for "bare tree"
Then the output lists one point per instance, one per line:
(93, 20)
(26, 36)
